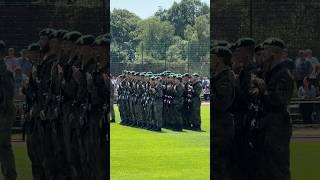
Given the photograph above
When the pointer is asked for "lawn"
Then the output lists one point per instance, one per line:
(141, 154)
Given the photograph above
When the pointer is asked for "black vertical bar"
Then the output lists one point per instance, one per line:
(251, 17)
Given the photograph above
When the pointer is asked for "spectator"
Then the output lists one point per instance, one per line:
(303, 68)
(24, 63)
(288, 61)
(307, 91)
(314, 62)
(20, 79)
(11, 60)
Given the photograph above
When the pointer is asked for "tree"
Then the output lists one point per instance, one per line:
(183, 14)
(123, 25)
(156, 36)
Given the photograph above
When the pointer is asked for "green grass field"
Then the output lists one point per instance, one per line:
(139, 154)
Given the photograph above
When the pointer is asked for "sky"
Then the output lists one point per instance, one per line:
(144, 8)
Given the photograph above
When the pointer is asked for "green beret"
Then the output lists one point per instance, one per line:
(101, 42)
(34, 47)
(105, 36)
(158, 78)
(86, 40)
(232, 47)
(222, 52)
(2, 45)
(245, 42)
(153, 77)
(53, 34)
(46, 32)
(136, 73)
(274, 42)
(186, 74)
(179, 77)
(61, 33)
(258, 48)
(215, 43)
(195, 74)
(72, 36)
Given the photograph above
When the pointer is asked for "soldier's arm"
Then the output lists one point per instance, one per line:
(224, 95)
(278, 96)
(197, 90)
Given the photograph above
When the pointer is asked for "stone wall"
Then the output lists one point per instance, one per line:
(297, 22)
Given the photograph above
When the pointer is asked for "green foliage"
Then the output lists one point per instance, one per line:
(123, 26)
(177, 34)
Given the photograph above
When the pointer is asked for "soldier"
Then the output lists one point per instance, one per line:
(187, 99)
(243, 56)
(7, 116)
(88, 101)
(177, 102)
(275, 162)
(99, 91)
(223, 125)
(196, 103)
(158, 104)
(68, 88)
(56, 103)
(32, 125)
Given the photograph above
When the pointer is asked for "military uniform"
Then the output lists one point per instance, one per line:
(223, 88)
(7, 116)
(274, 162)
(195, 106)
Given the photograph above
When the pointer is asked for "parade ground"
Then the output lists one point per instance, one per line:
(138, 154)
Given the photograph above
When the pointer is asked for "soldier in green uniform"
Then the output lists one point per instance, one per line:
(275, 159)
(177, 102)
(223, 125)
(243, 159)
(50, 48)
(88, 107)
(158, 104)
(32, 108)
(56, 103)
(99, 91)
(7, 116)
(196, 103)
(70, 111)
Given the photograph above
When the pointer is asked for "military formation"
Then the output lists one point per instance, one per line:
(67, 106)
(252, 86)
(155, 101)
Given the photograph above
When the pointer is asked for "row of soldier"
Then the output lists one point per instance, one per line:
(67, 106)
(155, 101)
(252, 86)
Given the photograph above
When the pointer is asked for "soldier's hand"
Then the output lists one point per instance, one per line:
(42, 115)
(60, 72)
(89, 77)
(105, 77)
(76, 73)
(34, 72)
(254, 92)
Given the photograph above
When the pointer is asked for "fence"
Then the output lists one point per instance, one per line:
(185, 60)
(21, 20)
(296, 22)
